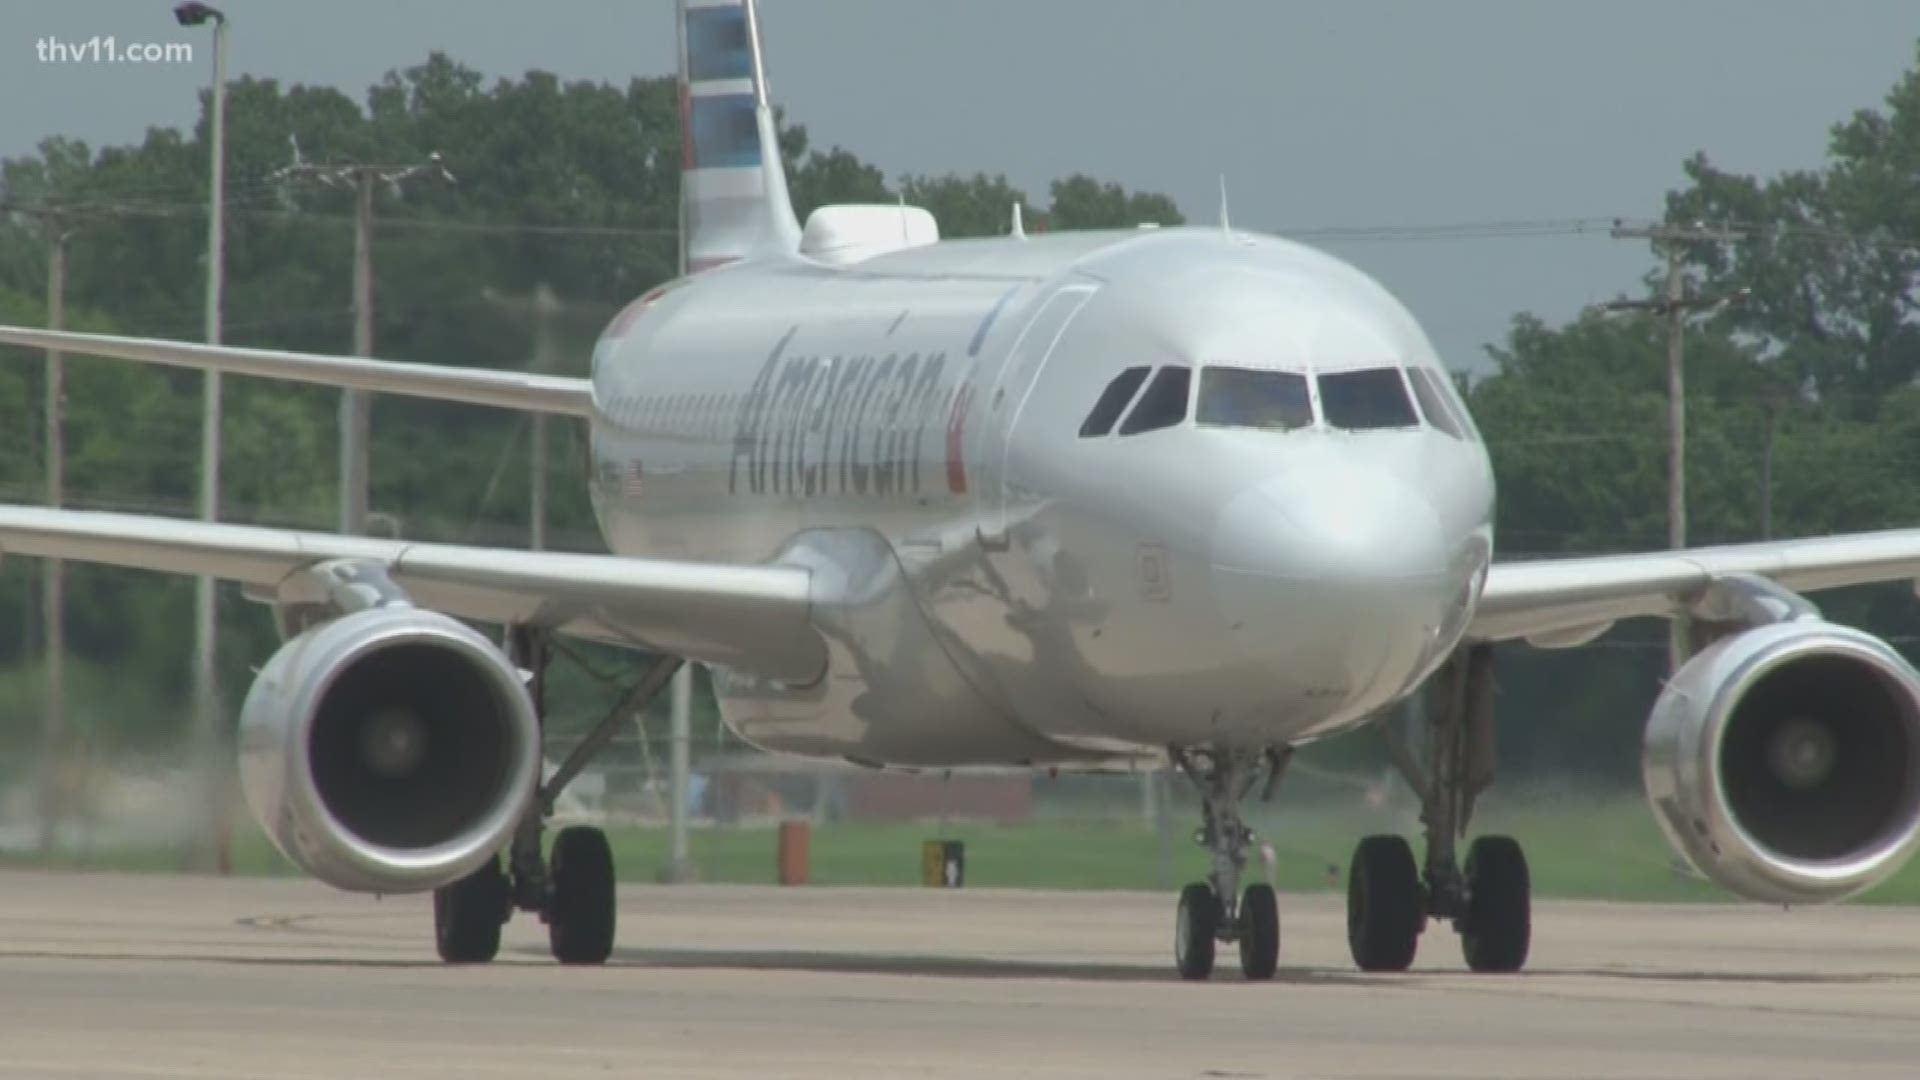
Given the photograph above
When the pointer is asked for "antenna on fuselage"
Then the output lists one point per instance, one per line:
(1019, 230)
(1225, 227)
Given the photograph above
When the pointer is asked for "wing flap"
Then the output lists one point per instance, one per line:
(754, 618)
(478, 386)
(1522, 599)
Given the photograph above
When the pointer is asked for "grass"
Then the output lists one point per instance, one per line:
(1577, 849)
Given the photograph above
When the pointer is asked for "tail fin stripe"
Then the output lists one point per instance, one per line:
(717, 44)
(726, 132)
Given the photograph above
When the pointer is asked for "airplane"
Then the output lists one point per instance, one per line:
(1045, 501)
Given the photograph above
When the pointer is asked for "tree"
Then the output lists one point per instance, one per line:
(1081, 202)
(977, 205)
(1833, 256)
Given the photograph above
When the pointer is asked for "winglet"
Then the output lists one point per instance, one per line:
(733, 189)
(1225, 226)
(1019, 231)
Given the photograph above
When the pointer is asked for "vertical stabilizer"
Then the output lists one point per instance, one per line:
(733, 190)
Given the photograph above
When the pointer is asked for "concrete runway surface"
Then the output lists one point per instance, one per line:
(135, 976)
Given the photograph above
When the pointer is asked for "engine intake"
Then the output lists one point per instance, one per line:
(389, 750)
(1784, 761)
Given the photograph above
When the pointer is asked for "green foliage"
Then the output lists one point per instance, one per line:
(1825, 340)
(1081, 202)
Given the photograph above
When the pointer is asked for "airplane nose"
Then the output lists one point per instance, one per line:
(1336, 580)
(1341, 526)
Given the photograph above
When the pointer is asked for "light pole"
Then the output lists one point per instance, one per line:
(205, 677)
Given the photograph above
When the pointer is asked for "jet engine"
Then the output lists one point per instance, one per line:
(1785, 761)
(389, 750)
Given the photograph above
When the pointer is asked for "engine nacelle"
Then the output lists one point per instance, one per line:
(1785, 761)
(389, 750)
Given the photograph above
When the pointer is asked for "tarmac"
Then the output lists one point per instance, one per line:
(105, 975)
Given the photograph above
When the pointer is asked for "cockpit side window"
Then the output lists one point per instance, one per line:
(1367, 400)
(1435, 403)
(1112, 400)
(1254, 398)
(1163, 405)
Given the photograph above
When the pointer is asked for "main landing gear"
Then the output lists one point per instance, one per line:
(1389, 897)
(572, 887)
(1216, 910)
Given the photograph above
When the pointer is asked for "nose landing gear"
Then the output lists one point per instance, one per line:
(1216, 910)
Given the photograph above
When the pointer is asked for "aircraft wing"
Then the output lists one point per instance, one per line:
(754, 618)
(478, 386)
(1550, 597)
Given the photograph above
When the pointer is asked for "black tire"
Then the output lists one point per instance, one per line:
(1499, 925)
(1385, 906)
(1195, 927)
(581, 906)
(1259, 932)
(468, 914)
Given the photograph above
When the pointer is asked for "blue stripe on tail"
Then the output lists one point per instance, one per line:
(726, 133)
(717, 44)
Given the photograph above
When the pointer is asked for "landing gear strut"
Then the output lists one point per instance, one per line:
(573, 889)
(1216, 910)
(1389, 898)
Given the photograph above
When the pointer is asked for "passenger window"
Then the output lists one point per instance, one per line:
(1433, 402)
(1367, 400)
(1163, 405)
(1112, 400)
(1253, 398)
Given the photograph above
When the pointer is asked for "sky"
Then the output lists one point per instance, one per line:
(1360, 113)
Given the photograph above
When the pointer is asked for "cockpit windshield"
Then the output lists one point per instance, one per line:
(1366, 400)
(1254, 398)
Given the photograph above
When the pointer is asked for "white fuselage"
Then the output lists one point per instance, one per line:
(1039, 594)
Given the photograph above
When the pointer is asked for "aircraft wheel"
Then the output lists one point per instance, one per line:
(1499, 923)
(581, 906)
(1196, 925)
(1384, 904)
(468, 914)
(1259, 932)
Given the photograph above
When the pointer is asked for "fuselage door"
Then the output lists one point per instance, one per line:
(1013, 386)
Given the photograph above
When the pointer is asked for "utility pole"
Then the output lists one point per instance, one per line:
(1676, 306)
(356, 405)
(544, 308)
(1770, 427)
(356, 410)
(58, 223)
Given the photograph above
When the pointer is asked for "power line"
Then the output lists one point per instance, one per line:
(185, 210)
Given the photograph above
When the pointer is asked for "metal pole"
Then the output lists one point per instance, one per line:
(1677, 628)
(206, 643)
(546, 355)
(53, 597)
(677, 864)
(355, 406)
(1771, 421)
